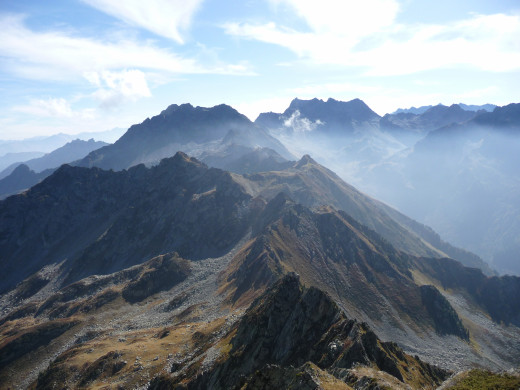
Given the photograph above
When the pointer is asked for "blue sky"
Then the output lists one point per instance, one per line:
(91, 65)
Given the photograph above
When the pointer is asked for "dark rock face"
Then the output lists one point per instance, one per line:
(269, 120)
(498, 295)
(305, 377)
(446, 319)
(162, 273)
(106, 221)
(291, 325)
(106, 365)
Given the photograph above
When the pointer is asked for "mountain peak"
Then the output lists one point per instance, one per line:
(333, 112)
(306, 159)
(21, 169)
(506, 116)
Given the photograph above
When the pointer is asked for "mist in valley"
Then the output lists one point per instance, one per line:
(461, 179)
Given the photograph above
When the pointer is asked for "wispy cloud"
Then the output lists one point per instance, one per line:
(57, 55)
(350, 33)
(162, 17)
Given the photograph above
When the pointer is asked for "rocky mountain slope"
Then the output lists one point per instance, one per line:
(280, 274)
(12, 157)
(292, 326)
(313, 185)
(125, 276)
(97, 221)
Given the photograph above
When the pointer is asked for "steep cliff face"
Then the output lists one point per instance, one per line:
(291, 325)
(445, 318)
(497, 295)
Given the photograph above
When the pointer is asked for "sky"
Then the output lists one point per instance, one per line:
(91, 65)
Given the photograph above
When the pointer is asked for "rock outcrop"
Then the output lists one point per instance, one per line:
(291, 325)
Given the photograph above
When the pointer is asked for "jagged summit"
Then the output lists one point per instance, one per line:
(426, 118)
(306, 159)
(291, 325)
(332, 111)
(316, 116)
(196, 130)
(187, 108)
(501, 117)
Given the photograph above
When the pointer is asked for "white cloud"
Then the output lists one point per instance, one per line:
(301, 124)
(115, 88)
(55, 55)
(365, 35)
(349, 19)
(162, 17)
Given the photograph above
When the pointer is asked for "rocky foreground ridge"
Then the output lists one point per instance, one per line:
(175, 275)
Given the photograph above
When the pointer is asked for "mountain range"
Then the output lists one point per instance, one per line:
(195, 130)
(142, 266)
(466, 107)
(22, 175)
(46, 144)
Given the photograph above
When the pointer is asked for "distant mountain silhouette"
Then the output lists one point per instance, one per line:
(331, 116)
(501, 117)
(71, 151)
(432, 118)
(11, 158)
(462, 179)
(14, 180)
(47, 144)
(21, 178)
(182, 128)
(466, 107)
